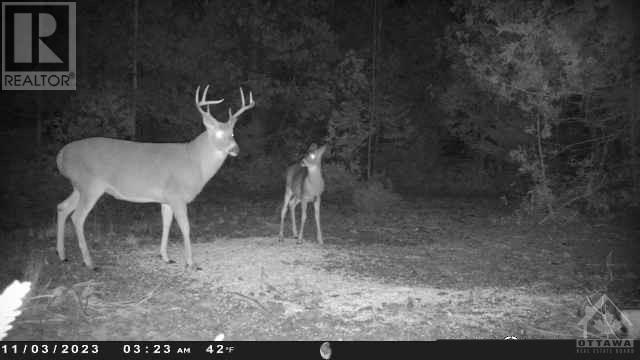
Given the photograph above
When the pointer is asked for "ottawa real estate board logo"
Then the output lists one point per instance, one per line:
(38, 46)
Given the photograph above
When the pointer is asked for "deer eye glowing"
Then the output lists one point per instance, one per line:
(312, 156)
(219, 134)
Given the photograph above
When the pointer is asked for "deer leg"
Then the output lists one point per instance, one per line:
(316, 206)
(87, 199)
(64, 209)
(303, 219)
(292, 209)
(180, 212)
(283, 213)
(167, 217)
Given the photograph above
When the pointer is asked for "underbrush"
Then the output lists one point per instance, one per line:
(366, 196)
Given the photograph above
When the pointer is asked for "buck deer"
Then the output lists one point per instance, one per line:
(304, 184)
(171, 174)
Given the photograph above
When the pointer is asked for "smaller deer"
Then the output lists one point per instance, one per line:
(304, 184)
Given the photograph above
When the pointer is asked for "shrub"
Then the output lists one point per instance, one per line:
(372, 196)
(93, 113)
(340, 184)
(263, 174)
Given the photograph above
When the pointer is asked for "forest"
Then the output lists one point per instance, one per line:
(467, 122)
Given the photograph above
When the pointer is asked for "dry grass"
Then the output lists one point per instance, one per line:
(422, 271)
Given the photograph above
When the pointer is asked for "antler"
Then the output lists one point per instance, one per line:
(202, 102)
(234, 116)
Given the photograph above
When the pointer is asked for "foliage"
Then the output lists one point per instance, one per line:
(463, 176)
(307, 62)
(480, 119)
(340, 184)
(543, 84)
(230, 45)
(259, 175)
(372, 196)
(550, 64)
(349, 125)
(103, 112)
(344, 188)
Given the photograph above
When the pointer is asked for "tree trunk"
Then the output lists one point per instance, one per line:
(372, 116)
(634, 104)
(39, 119)
(134, 100)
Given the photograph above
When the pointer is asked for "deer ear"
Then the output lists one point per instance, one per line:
(313, 147)
(322, 149)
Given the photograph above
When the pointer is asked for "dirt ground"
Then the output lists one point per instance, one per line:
(422, 270)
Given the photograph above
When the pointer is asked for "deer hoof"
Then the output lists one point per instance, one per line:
(63, 259)
(193, 267)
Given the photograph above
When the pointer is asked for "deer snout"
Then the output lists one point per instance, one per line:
(234, 150)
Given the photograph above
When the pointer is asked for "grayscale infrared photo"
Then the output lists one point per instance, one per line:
(323, 172)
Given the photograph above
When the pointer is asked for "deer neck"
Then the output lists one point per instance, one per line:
(206, 156)
(314, 175)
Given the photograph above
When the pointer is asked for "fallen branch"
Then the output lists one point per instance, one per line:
(149, 295)
(144, 299)
(548, 332)
(43, 321)
(250, 299)
(42, 297)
